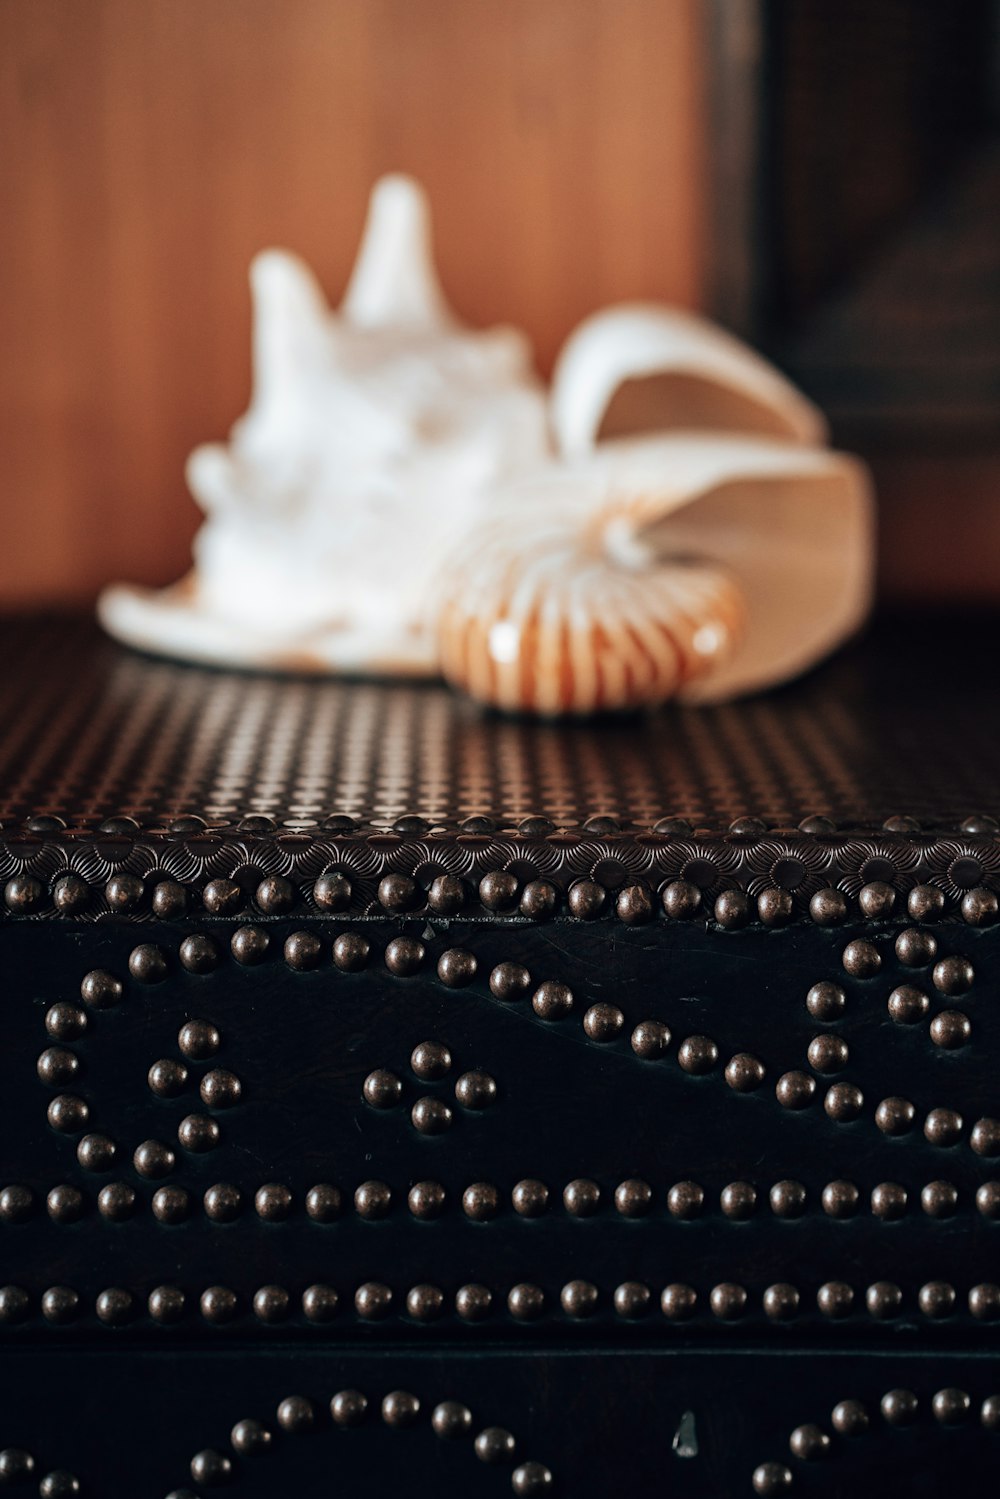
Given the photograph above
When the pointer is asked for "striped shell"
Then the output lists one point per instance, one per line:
(539, 620)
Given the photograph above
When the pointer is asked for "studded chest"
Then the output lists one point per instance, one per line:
(472, 1107)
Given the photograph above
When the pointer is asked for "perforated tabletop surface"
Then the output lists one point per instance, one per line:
(904, 721)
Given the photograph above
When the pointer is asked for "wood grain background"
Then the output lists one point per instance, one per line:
(150, 147)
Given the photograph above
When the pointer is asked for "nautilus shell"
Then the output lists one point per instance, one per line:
(404, 497)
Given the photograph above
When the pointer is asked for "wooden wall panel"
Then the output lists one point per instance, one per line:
(150, 147)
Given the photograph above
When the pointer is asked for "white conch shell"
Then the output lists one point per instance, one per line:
(403, 496)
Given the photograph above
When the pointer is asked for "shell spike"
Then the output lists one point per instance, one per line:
(394, 282)
(290, 324)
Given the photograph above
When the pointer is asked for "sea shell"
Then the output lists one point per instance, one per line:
(403, 496)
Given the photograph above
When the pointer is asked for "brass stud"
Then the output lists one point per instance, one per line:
(425, 1303)
(984, 1302)
(951, 1407)
(114, 1306)
(430, 1059)
(70, 895)
(835, 1299)
(828, 1053)
(883, 1300)
(60, 1304)
(889, 1200)
(771, 1478)
(382, 1089)
(840, 1199)
(400, 1408)
(447, 895)
(199, 1039)
(123, 892)
(728, 1301)
(916, 949)
(788, 1199)
(509, 981)
(14, 1304)
(319, 1303)
(531, 1479)
(826, 1001)
(16, 1466)
(810, 1443)
(980, 907)
(861, 959)
(678, 1302)
(876, 900)
(68, 1114)
(303, 951)
(552, 1000)
(166, 1304)
(526, 1303)
(220, 1089)
(908, 1005)
(603, 1022)
(953, 975)
(475, 1090)
(481, 1202)
(795, 1090)
(373, 1200)
(849, 1418)
(147, 964)
(404, 956)
(57, 1066)
(222, 897)
(585, 899)
(65, 1204)
(632, 1300)
(939, 1199)
(650, 1040)
(943, 1127)
(530, 1198)
(249, 945)
(451, 1419)
(372, 1301)
(218, 1305)
(100, 990)
(211, 1468)
(332, 891)
(738, 1200)
(171, 1204)
(579, 1298)
(456, 968)
(697, 1055)
(633, 1198)
(681, 900)
(899, 1407)
(431, 1116)
(828, 907)
(275, 895)
(270, 1304)
(744, 1073)
(538, 900)
(936, 1299)
(16, 1204)
(348, 1408)
(989, 1413)
(951, 1029)
(426, 1200)
(732, 909)
(581, 1197)
(116, 1202)
(249, 1437)
(350, 952)
(988, 1199)
(634, 905)
(498, 890)
(925, 903)
(223, 1202)
(775, 907)
(685, 1200)
(895, 1116)
(781, 1302)
(65, 1022)
(198, 1133)
(296, 1414)
(473, 1303)
(273, 1202)
(198, 953)
(494, 1445)
(985, 1137)
(843, 1102)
